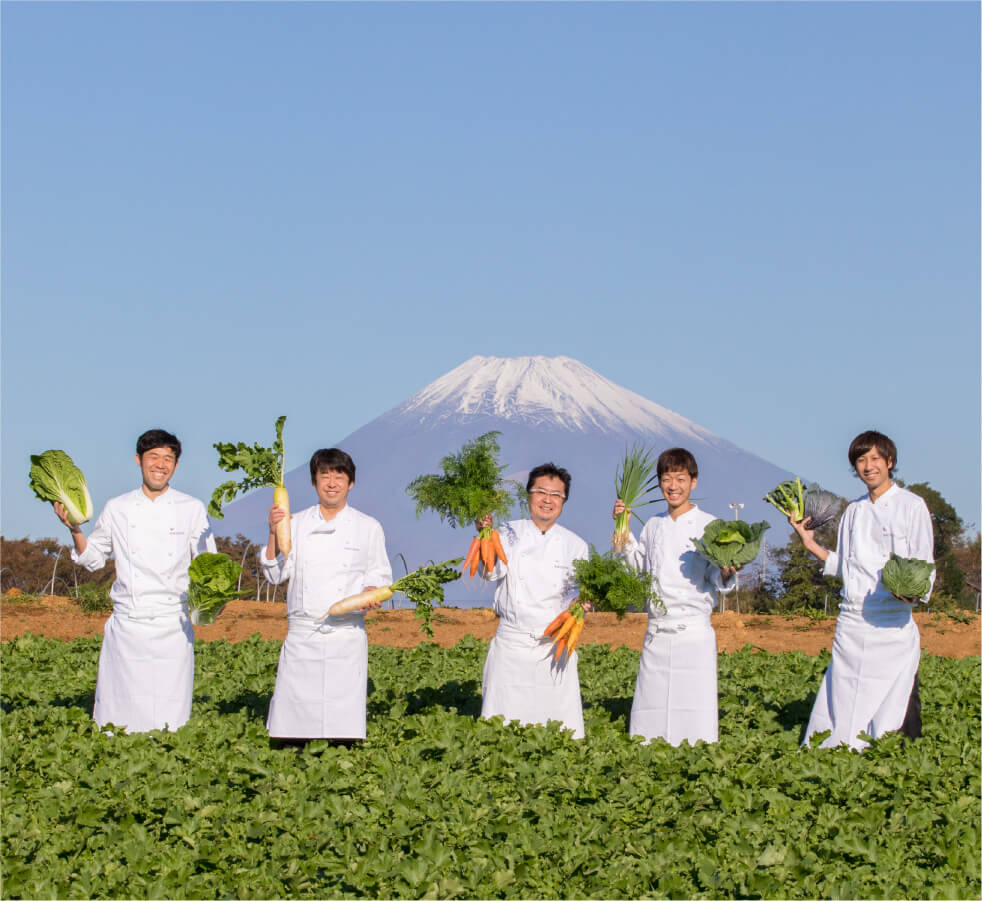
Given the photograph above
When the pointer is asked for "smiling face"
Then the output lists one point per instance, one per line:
(874, 470)
(332, 487)
(157, 466)
(546, 498)
(676, 485)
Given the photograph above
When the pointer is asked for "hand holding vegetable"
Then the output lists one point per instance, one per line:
(263, 467)
(422, 587)
(635, 479)
(469, 490)
(55, 477)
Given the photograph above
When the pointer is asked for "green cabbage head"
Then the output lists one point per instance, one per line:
(55, 477)
(731, 543)
(213, 582)
(907, 577)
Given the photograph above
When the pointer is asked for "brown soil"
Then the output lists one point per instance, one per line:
(56, 617)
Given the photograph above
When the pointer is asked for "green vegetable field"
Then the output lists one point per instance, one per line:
(438, 803)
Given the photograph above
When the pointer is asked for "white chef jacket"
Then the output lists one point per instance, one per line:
(675, 695)
(146, 663)
(537, 582)
(322, 676)
(521, 679)
(154, 542)
(876, 647)
(897, 522)
(686, 582)
(330, 560)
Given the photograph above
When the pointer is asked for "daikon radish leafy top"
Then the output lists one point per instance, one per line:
(263, 467)
(422, 587)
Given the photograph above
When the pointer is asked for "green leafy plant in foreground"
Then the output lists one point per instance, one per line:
(439, 803)
(611, 585)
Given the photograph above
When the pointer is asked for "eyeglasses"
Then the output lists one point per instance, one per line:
(558, 495)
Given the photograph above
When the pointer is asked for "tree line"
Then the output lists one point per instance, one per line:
(784, 579)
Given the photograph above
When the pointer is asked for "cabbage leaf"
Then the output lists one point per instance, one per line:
(55, 477)
(731, 542)
(907, 578)
(214, 580)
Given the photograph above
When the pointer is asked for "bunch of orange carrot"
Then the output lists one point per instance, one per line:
(485, 548)
(564, 631)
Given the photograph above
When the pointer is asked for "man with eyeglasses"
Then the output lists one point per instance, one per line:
(521, 680)
(146, 665)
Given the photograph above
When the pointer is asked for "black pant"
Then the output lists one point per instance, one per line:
(911, 726)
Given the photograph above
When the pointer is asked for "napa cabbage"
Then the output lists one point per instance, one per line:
(56, 478)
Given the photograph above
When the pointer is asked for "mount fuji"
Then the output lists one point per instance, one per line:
(546, 409)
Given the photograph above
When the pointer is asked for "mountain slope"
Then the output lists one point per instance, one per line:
(545, 409)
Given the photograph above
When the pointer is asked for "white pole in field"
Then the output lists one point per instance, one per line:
(736, 508)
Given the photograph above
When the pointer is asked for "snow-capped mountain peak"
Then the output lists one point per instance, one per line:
(555, 391)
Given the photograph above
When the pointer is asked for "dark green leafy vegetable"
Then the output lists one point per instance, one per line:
(820, 506)
(469, 488)
(611, 585)
(424, 587)
(789, 498)
(907, 578)
(214, 580)
(731, 542)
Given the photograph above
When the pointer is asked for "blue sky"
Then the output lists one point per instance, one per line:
(764, 216)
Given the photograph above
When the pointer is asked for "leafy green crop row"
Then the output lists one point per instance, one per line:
(438, 803)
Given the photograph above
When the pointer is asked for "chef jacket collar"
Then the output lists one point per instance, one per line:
(888, 494)
(166, 498)
(329, 526)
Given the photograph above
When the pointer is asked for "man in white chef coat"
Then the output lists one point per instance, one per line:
(871, 684)
(146, 665)
(322, 678)
(521, 680)
(676, 695)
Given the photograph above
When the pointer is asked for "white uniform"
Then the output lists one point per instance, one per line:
(521, 681)
(146, 665)
(675, 697)
(877, 648)
(322, 677)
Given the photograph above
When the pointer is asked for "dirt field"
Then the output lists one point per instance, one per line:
(54, 617)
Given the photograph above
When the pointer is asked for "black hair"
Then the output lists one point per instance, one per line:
(863, 443)
(331, 460)
(550, 469)
(676, 458)
(158, 438)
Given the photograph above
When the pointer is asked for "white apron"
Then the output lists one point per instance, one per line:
(522, 683)
(321, 680)
(146, 672)
(675, 696)
(868, 683)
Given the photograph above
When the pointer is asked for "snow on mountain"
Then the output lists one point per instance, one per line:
(545, 391)
(546, 409)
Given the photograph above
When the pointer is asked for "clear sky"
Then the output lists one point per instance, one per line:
(764, 216)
